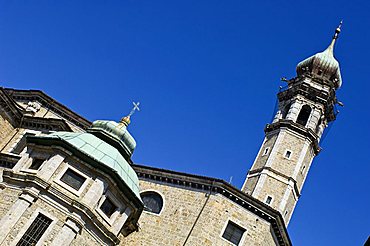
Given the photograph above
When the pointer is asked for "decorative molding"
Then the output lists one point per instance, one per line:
(263, 170)
(8, 160)
(297, 128)
(50, 104)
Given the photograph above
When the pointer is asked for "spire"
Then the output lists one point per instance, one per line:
(125, 121)
(335, 37)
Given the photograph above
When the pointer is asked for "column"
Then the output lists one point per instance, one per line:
(314, 119)
(321, 129)
(14, 214)
(25, 156)
(94, 194)
(116, 227)
(278, 116)
(66, 235)
(50, 167)
(294, 111)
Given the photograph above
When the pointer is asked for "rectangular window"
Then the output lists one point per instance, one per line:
(73, 179)
(268, 199)
(36, 163)
(233, 233)
(266, 151)
(35, 231)
(108, 207)
(288, 154)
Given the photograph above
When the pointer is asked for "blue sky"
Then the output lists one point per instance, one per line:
(206, 74)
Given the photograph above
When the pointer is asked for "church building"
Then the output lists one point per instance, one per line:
(67, 181)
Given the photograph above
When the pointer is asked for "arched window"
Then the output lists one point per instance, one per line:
(286, 110)
(153, 202)
(304, 115)
(318, 125)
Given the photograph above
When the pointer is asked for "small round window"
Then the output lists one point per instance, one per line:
(153, 202)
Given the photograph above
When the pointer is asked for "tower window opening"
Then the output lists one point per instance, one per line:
(286, 110)
(233, 233)
(35, 231)
(318, 125)
(268, 200)
(266, 151)
(288, 154)
(304, 114)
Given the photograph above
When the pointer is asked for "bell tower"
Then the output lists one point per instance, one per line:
(292, 140)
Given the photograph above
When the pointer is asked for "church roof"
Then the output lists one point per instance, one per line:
(102, 152)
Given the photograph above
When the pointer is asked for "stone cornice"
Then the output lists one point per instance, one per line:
(218, 186)
(49, 103)
(10, 107)
(30, 122)
(19, 118)
(8, 161)
(260, 170)
(297, 128)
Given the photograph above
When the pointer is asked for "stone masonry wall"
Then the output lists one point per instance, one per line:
(217, 212)
(7, 198)
(16, 232)
(181, 208)
(262, 157)
(292, 143)
(6, 130)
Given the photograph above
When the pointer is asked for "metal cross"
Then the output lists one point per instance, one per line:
(135, 108)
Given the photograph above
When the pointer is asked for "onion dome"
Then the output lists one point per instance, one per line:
(323, 65)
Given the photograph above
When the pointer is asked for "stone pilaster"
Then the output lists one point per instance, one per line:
(116, 228)
(50, 167)
(94, 193)
(14, 214)
(314, 119)
(66, 235)
(294, 111)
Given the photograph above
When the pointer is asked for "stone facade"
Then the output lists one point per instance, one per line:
(196, 211)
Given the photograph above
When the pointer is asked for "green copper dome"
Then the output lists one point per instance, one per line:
(102, 152)
(115, 134)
